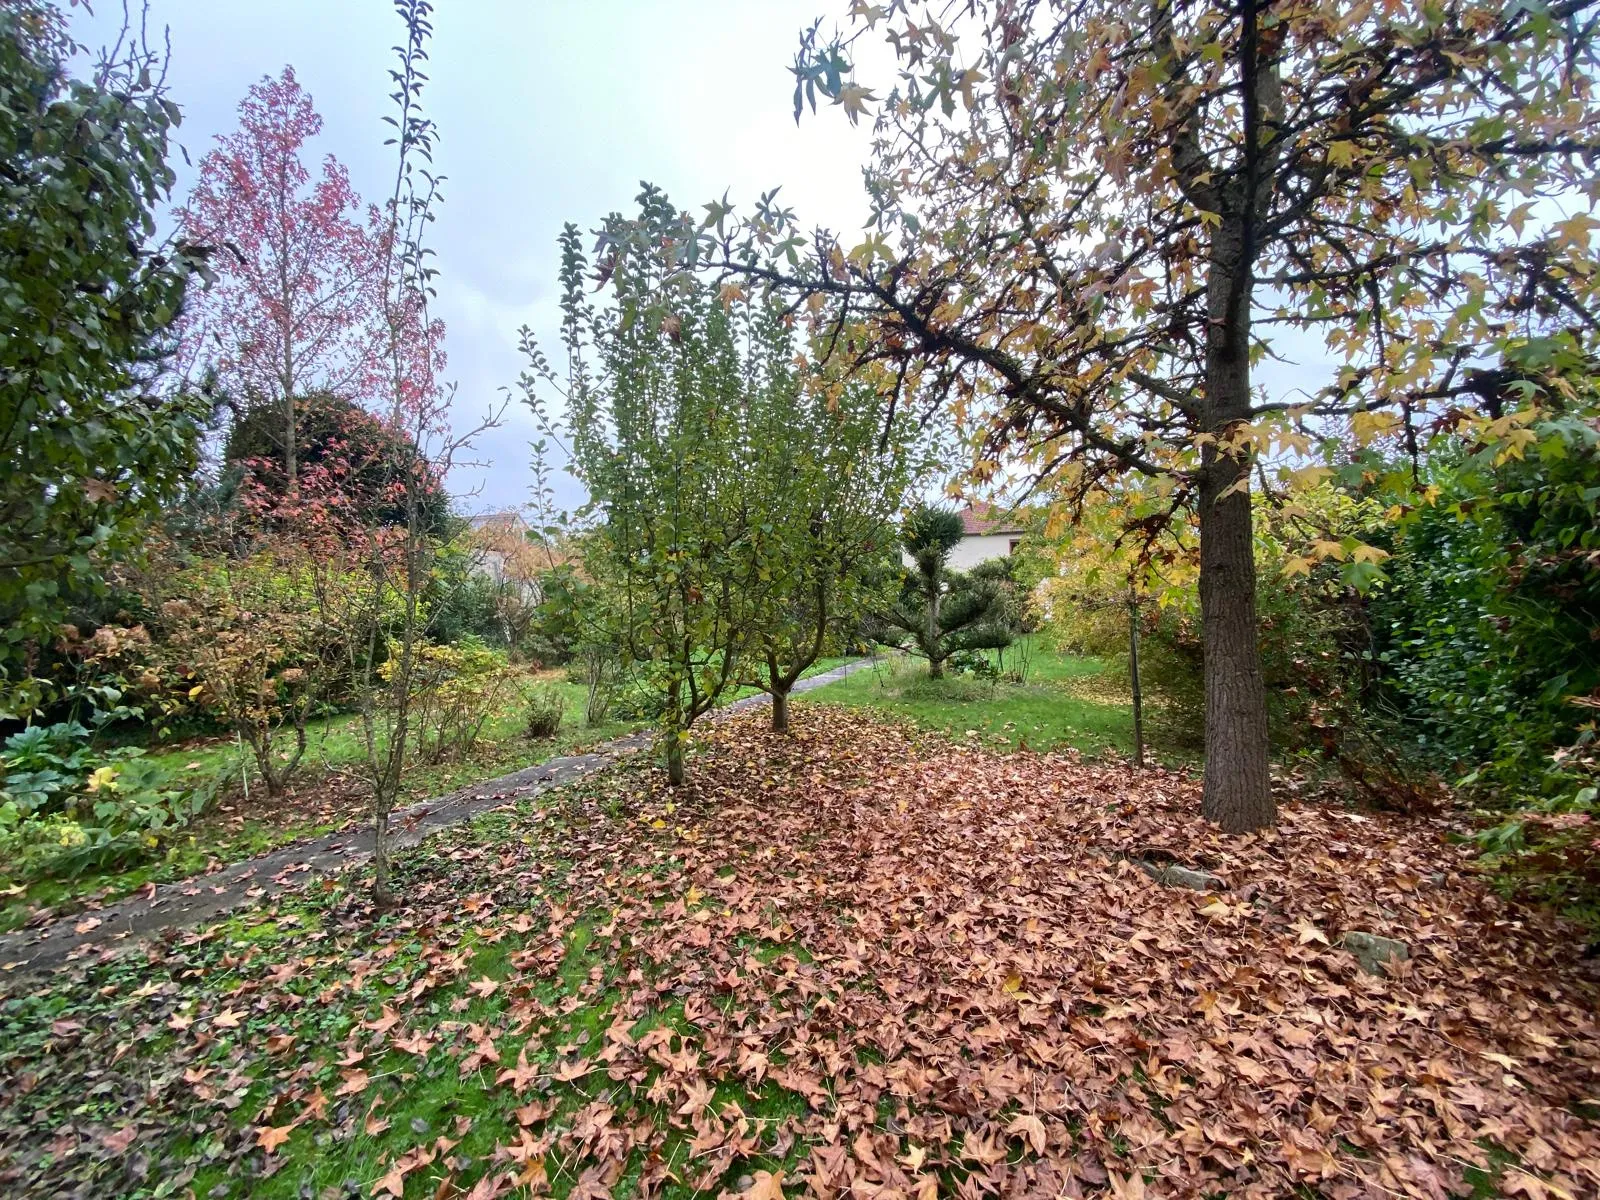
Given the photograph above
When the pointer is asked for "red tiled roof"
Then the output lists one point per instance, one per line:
(979, 519)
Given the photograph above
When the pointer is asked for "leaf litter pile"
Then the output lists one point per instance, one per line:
(853, 961)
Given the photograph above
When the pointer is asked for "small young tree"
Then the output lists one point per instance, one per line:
(941, 612)
(659, 435)
(830, 470)
(397, 558)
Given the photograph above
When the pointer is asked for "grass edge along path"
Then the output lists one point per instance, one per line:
(189, 901)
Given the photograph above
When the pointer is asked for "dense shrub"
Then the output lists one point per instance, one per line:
(632, 698)
(1486, 645)
(94, 443)
(1169, 660)
(544, 709)
(972, 662)
(463, 604)
(457, 689)
(67, 807)
(333, 433)
(253, 634)
(1486, 635)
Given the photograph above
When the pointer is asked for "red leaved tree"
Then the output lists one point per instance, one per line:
(297, 304)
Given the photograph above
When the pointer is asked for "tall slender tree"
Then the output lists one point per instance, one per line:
(297, 305)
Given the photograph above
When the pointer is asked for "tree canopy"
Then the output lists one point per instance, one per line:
(1091, 222)
(92, 440)
(346, 455)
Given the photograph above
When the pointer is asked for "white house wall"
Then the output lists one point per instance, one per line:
(971, 551)
(976, 548)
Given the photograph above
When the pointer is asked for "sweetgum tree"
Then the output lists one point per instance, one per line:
(297, 306)
(1093, 219)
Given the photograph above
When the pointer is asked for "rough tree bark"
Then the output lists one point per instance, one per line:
(1237, 791)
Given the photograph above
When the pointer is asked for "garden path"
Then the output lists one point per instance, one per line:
(199, 898)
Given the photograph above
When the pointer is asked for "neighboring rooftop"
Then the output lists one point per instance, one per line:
(979, 520)
(508, 518)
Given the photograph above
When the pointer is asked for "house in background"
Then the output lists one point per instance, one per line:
(507, 550)
(987, 532)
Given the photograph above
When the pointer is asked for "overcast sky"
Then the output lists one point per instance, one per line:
(549, 111)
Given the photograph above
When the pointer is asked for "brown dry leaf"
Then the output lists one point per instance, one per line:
(699, 1094)
(270, 1137)
(1030, 1128)
(118, 1142)
(99, 491)
(355, 1082)
(521, 1077)
(768, 1185)
(393, 1180)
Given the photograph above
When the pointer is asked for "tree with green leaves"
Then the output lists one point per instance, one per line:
(658, 396)
(1093, 220)
(829, 471)
(941, 612)
(92, 442)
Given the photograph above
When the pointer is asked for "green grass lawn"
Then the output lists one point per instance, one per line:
(1066, 700)
(326, 793)
(335, 742)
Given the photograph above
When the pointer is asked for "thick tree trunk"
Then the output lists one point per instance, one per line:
(780, 710)
(1237, 791)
